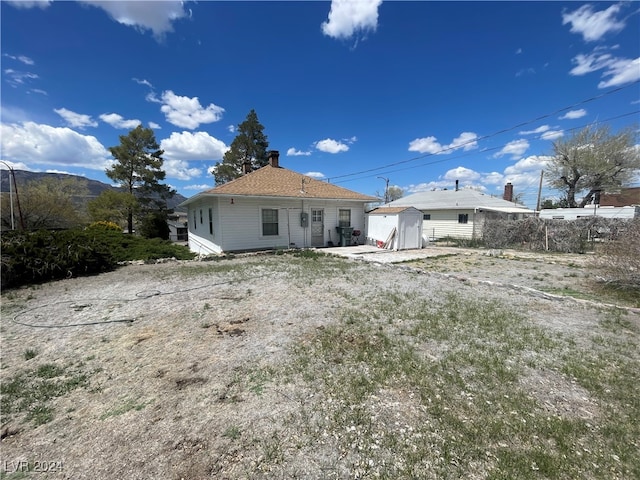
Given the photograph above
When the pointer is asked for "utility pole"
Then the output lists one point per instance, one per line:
(386, 189)
(12, 176)
(539, 192)
(13, 220)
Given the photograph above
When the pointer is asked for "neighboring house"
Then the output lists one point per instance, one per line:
(461, 213)
(395, 228)
(626, 197)
(269, 208)
(178, 230)
(627, 212)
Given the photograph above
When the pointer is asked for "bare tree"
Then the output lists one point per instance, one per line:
(592, 161)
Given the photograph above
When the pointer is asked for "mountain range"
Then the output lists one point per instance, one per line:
(94, 187)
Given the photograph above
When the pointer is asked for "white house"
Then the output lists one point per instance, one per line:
(395, 228)
(461, 213)
(627, 212)
(269, 208)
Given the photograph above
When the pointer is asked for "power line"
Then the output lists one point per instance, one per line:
(446, 159)
(485, 137)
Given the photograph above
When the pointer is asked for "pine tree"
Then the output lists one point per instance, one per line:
(139, 171)
(248, 148)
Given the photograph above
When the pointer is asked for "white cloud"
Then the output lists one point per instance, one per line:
(117, 121)
(180, 169)
(425, 145)
(574, 114)
(514, 148)
(593, 25)
(154, 125)
(142, 82)
(193, 146)
(463, 174)
(493, 178)
(186, 112)
(44, 144)
(466, 141)
(316, 175)
(21, 58)
(155, 16)
(200, 187)
(620, 71)
(292, 152)
(16, 78)
(533, 163)
(329, 145)
(15, 166)
(524, 175)
(552, 134)
(29, 3)
(76, 120)
(526, 71)
(349, 17)
(540, 129)
(231, 128)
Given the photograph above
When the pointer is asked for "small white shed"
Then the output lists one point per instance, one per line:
(394, 228)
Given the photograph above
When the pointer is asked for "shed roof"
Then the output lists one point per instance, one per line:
(270, 181)
(390, 210)
(463, 199)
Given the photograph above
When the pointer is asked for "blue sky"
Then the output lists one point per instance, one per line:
(352, 92)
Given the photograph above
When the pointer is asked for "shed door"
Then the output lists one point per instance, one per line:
(317, 227)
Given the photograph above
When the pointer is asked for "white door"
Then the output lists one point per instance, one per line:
(317, 227)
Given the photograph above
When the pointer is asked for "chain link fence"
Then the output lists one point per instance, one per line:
(567, 236)
(615, 242)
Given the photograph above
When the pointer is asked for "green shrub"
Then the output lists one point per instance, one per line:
(154, 225)
(104, 225)
(41, 256)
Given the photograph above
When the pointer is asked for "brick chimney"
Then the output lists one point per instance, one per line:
(508, 192)
(274, 155)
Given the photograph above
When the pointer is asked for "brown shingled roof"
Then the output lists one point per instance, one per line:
(627, 197)
(271, 181)
(388, 210)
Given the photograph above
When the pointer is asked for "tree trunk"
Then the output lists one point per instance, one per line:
(130, 222)
(571, 196)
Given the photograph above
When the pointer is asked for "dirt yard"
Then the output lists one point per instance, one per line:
(193, 370)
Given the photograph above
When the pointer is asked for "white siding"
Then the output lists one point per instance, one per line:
(410, 230)
(379, 227)
(589, 211)
(408, 225)
(444, 223)
(238, 225)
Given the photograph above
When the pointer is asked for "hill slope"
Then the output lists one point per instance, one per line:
(94, 187)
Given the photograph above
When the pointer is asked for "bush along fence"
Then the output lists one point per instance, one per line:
(567, 236)
(41, 256)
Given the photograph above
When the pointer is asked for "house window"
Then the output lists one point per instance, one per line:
(211, 221)
(426, 216)
(463, 218)
(195, 223)
(344, 218)
(200, 216)
(269, 222)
